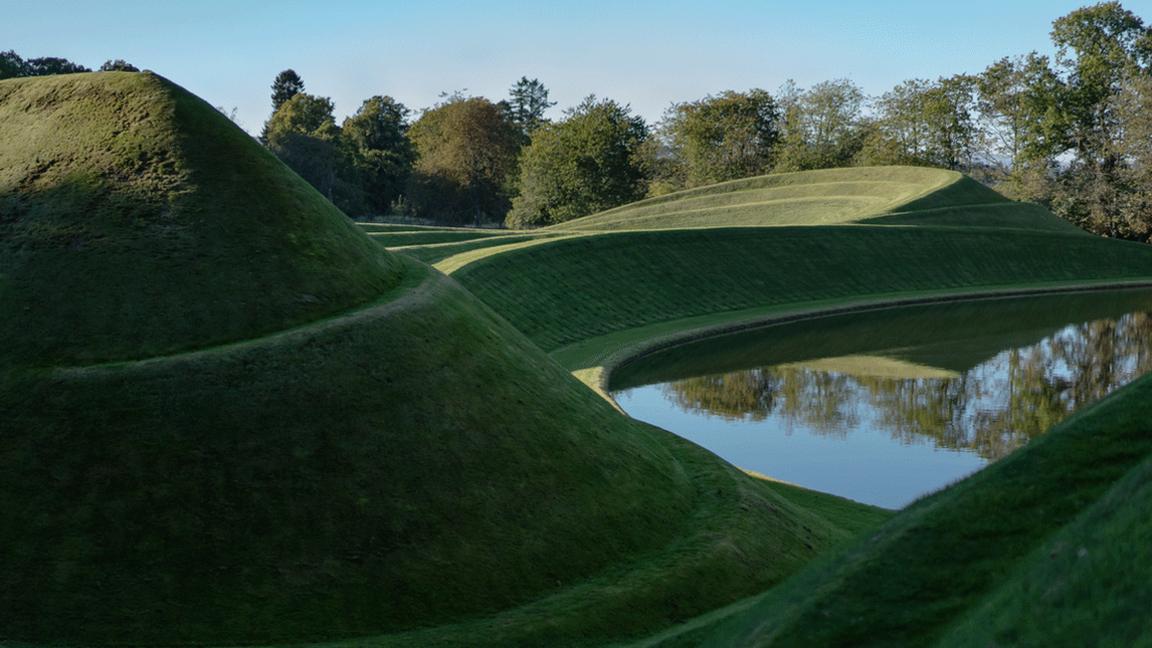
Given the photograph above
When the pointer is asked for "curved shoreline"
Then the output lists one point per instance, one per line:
(595, 360)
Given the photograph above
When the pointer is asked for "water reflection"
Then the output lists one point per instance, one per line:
(979, 379)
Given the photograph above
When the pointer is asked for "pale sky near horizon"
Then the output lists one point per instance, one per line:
(644, 53)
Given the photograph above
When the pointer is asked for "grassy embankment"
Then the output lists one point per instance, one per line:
(1046, 547)
(594, 294)
(1024, 552)
(231, 418)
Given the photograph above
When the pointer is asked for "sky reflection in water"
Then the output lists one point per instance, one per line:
(887, 406)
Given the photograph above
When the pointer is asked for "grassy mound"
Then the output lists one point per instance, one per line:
(562, 291)
(124, 235)
(823, 197)
(265, 428)
(1050, 542)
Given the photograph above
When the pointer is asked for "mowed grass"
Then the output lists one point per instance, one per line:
(832, 196)
(814, 197)
(313, 485)
(426, 237)
(362, 449)
(1046, 547)
(230, 417)
(564, 291)
(124, 234)
(964, 566)
(434, 253)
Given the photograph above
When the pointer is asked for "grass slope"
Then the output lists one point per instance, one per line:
(1044, 546)
(560, 292)
(955, 565)
(123, 235)
(951, 338)
(888, 195)
(431, 236)
(812, 197)
(382, 456)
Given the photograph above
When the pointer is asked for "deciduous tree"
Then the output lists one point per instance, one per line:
(466, 151)
(382, 154)
(588, 162)
(118, 65)
(725, 136)
(304, 135)
(823, 125)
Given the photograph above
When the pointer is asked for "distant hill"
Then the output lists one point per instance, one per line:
(875, 195)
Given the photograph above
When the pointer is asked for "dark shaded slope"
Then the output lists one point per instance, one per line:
(335, 443)
(969, 547)
(135, 219)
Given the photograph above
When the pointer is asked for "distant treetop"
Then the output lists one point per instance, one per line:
(287, 84)
(12, 65)
(118, 65)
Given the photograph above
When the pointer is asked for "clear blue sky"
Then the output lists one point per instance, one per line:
(645, 53)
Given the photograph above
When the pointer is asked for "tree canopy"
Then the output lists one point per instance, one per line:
(377, 141)
(586, 163)
(466, 151)
(118, 65)
(286, 85)
(303, 134)
(725, 136)
(822, 125)
(527, 103)
(13, 65)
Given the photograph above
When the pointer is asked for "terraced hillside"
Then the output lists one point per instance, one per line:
(718, 256)
(230, 418)
(891, 195)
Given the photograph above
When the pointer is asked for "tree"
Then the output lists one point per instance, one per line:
(381, 152)
(726, 136)
(286, 85)
(47, 65)
(1022, 128)
(588, 162)
(304, 135)
(118, 65)
(527, 102)
(1018, 102)
(466, 151)
(1098, 49)
(823, 126)
(12, 65)
(924, 122)
(1134, 111)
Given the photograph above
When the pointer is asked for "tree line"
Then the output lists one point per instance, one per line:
(1072, 132)
(12, 65)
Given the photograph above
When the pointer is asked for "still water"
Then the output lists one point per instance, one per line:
(887, 406)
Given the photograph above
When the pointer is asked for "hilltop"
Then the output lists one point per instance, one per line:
(125, 236)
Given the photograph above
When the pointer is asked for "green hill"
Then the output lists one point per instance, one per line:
(888, 195)
(229, 417)
(963, 566)
(564, 291)
(1046, 547)
(595, 291)
(124, 236)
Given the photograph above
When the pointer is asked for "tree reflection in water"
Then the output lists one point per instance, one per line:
(991, 409)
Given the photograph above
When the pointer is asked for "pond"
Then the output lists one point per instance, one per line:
(886, 406)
